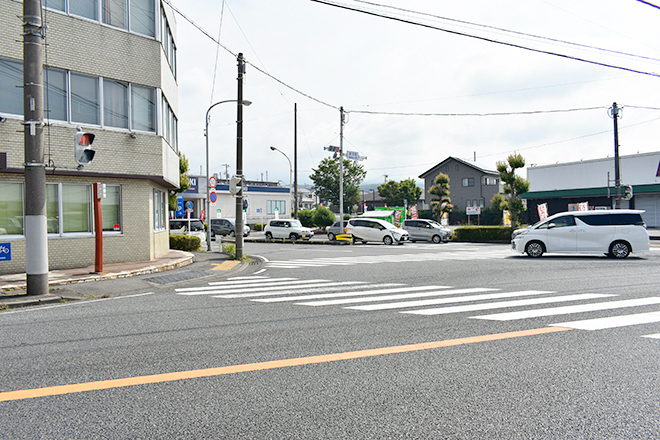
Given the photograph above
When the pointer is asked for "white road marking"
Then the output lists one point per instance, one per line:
(415, 294)
(510, 316)
(611, 322)
(656, 336)
(352, 293)
(288, 286)
(504, 304)
(301, 290)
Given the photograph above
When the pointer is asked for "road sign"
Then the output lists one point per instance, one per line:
(213, 197)
(213, 181)
(5, 251)
(352, 155)
(179, 205)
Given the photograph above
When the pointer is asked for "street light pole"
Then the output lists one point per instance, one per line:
(208, 177)
(290, 171)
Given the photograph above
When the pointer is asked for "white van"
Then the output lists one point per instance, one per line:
(616, 233)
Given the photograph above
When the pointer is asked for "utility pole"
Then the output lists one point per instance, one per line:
(341, 169)
(239, 159)
(36, 232)
(226, 165)
(295, 159)
(615, 114)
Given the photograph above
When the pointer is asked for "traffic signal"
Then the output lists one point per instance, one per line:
(627, 192)
(84, 154)
(245, 204)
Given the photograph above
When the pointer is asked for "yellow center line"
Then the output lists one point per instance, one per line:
(218, 371)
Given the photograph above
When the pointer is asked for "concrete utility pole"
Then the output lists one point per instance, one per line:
(239, 159)
(36, 232)
(295, 160)
(341, 169)
(615, 114)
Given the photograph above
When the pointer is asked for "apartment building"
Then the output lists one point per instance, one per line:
(110, 70)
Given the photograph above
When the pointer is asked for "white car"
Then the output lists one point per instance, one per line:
(373, 229)
(287, 228)
(615, 233)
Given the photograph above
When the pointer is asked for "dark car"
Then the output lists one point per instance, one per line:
(335, 230)
(195, 224)
(225, 226)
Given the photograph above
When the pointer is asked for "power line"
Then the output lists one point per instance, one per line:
(490, 40)
(649, 3)
(508, 30)
(533, 112)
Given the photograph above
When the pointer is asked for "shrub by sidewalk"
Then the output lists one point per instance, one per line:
(483, 234)
(185, 242)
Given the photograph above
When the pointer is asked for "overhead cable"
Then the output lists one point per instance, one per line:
(490, 40)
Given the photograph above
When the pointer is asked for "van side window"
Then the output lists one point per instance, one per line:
(560, 222)
(613, 219)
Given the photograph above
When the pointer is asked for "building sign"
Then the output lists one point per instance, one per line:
(5, 251)
(192, 182)
(473, 210)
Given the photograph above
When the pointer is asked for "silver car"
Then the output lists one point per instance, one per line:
(426, 230)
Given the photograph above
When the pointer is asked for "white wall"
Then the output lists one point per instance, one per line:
(638, 169)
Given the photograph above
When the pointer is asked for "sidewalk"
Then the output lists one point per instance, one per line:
(12, 287)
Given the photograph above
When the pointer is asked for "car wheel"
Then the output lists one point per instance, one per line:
(619, 249)
(534, 249)
(331, 236)
(436, 239)
(232, 234)
(387, 240)
(269, 236)
(293, 236)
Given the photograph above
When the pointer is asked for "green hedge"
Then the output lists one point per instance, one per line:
(185, 242)
(483, 234)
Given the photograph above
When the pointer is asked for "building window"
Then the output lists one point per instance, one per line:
(139, 15)
(167, 41)
(11, 87)
(490, 181)
(115, 104)
(447, 169)
(76, 208)
(273, 206)
(115, 13)
(481, 203)
(111, 208)
(143, 108)
(468, 181)
(84, 99)
(52, 208)
(56, 95)
(159, 213)
(468, 203)
(170, 125)
(83, 8)
(456, 167)
(11, 208)
(143, 17)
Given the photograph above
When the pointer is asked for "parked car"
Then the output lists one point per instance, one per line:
(287, 228)
(226, 226)
(374, 229)
(335, 230)
(426, 230)
(615, 233)
(182, 224)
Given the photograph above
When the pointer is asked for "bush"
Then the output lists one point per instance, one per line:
(323, 217)
(306, 217)
(185, 242)
(484, 234)
(258, 227)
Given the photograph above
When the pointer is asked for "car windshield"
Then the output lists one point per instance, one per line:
(388, 225)
(436, 224)
(296, 224)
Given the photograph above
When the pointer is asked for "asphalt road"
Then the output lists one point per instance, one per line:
(245, 359)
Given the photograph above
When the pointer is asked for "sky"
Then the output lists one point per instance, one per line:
(474, 78)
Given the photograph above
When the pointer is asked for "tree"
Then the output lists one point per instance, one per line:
(326, 181)
(441, 202)
(184, 182)
(514, 186)
(389, 193)
(396, 193)
(323, 217)
(493, 214)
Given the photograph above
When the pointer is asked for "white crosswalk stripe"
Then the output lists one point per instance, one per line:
(415, 300)
(455, 254)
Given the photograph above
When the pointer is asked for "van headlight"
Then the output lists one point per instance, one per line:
(519, 232)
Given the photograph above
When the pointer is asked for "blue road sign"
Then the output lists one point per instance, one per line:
(5, 251)
(179, 205)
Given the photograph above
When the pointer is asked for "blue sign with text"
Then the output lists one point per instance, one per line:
(179, 205)
(5, 251)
